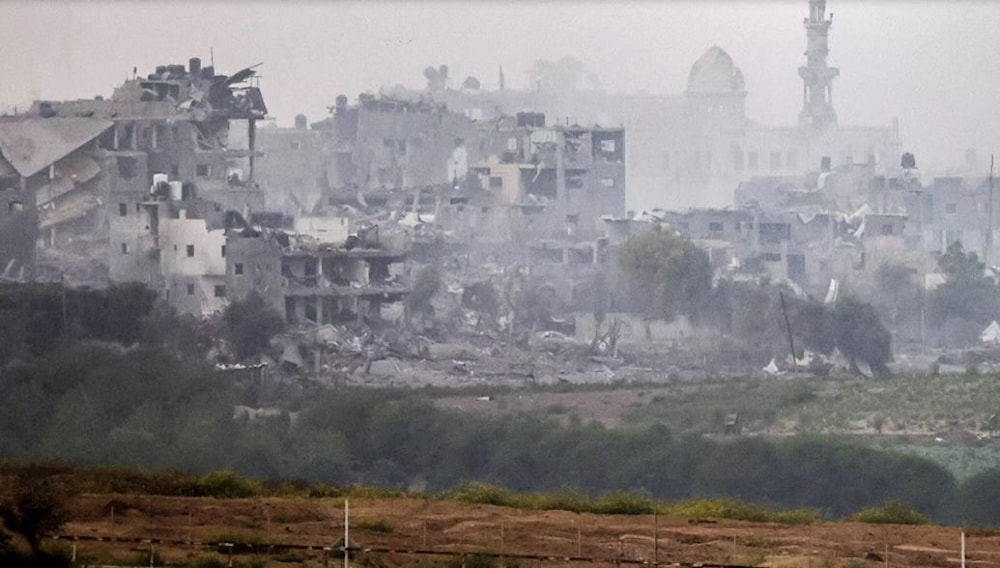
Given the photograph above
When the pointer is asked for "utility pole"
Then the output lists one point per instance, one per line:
(347, 521)
(989, 211)
(788, 327)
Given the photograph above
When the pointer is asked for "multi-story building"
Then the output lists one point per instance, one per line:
(385, 143)
(138, 187)
(692, 149)
(561, 179)
(320, 274)
(955, 209)
(292, 167)
(51, 189)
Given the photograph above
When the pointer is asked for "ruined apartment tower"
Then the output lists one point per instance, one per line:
(50, 195)
(817, 78)
(320, 274)
(382, 149)
(549, 182)
(167, 163)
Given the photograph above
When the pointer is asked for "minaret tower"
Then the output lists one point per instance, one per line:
(817, 78)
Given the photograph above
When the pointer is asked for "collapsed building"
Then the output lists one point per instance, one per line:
(109, 163)
(510, 190)
(51, 190)
(560, 178)
(321, 274)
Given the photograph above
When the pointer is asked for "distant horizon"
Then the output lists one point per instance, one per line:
(927, 64)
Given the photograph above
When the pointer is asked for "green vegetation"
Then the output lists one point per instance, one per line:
(75, 393)
(967, 301)
(891, 512)
(665, 274)
(897, 405)
(979, 497)
(250, 324)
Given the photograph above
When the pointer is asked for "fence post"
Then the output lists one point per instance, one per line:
(656, 539)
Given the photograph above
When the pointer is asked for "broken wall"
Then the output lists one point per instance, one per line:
(253, 264)
(291, 169)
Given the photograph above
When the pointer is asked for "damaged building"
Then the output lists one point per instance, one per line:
(560, 179)
(51, 193)
(137, 184)
(292, 167)
(954, 209)
(689, 150)
(383, 143)
(320, 273)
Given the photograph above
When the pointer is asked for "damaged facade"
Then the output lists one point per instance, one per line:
(51, 191)
(320, 274)
(691, 149)
(508, 190)
(107, 162)
(562, 178)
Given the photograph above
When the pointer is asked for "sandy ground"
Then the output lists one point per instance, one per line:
(446, 526)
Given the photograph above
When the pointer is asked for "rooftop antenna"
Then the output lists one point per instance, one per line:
(211, 56)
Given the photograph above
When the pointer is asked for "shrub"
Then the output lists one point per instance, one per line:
(740, 511)
(572, 500)
(227, 485)
(624, 503)
(891, 512)
(484, 494)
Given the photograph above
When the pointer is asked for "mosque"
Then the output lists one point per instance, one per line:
(691, 150)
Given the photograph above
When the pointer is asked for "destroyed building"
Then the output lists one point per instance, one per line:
(51, 191)
(954, 209)
(691, 149)
(560, 179)
(320, 273)
(375, 153)
(391, 144)
(135, 188)
(292, 167)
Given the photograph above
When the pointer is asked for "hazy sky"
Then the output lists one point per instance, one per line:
(934, 65)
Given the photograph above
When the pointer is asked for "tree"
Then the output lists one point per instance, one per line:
(861, 336)
(851, 326)
(250, 324)
(980, 495)
(665, 274)
(967, 294)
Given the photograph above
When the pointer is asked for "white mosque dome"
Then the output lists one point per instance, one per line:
(715, 73)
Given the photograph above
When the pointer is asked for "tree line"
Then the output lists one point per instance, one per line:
(124, 392)
(665, 275)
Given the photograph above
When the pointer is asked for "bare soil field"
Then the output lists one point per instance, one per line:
(522, 538)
